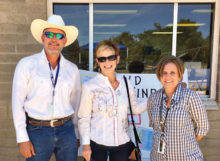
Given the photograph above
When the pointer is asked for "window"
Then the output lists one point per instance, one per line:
(76, 15)
(194, 44)
(145, 32)
(140, 31)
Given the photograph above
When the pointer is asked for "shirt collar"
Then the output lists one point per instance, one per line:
(105, 78)
(43, 58)
(176, 96)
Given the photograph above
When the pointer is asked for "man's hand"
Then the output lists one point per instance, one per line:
(78, 143)
(87, 152)
(27, 149)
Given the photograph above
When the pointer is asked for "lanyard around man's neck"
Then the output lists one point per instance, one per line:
(54, 81)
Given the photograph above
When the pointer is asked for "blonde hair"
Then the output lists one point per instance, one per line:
(169, 59)
(106, 44)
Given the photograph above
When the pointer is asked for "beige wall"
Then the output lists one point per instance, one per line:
(16, 42)
(210, 145)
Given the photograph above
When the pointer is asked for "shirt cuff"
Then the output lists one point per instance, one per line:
(77, 132)
(85, 140)
(22, 136)
(200, 132)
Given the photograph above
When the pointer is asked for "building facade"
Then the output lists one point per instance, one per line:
(146, 30)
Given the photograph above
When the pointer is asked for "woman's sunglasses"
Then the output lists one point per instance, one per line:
(50, 35)
(110, 58)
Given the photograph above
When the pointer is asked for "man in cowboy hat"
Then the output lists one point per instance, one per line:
(46, 95)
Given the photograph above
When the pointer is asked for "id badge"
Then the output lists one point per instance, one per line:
(50, 108)
(161, 147)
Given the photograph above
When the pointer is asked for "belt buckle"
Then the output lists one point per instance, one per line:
(51, 123)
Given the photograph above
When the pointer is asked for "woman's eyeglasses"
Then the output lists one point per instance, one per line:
(110, 58)
(50, 35)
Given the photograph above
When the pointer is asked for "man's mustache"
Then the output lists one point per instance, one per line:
(53, 43)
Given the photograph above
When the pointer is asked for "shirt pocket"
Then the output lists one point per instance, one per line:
(66, 84)
(179, 116)
(40, 84)
(66, 87)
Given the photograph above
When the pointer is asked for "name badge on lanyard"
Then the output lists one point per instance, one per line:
(54, 82)
(161, 144)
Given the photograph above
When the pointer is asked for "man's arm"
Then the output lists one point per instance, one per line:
(75, 100)
(19, 93)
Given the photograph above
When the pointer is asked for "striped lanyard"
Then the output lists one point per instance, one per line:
(54, 81)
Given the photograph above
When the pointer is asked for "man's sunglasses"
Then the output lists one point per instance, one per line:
(110, 58)
(50, 35)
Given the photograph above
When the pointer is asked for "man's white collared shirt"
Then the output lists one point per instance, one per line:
(32, 92)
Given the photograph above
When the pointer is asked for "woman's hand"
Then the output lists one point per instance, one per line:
(132, 155)
(87, 152)
(199, 137)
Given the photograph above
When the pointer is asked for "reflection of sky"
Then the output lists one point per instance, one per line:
(185, 12)
(76, 15)
(142, 20)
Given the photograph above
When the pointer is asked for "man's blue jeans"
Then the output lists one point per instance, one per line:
(60, 140)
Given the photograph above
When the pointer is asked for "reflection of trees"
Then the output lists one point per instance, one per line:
(128, 40)
(191, 46)
(148, 47)
(71, 52)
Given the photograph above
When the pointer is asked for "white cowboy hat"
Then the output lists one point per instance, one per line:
(54, 21)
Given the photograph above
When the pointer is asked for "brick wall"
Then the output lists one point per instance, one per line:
(16, 42)
(210, 145)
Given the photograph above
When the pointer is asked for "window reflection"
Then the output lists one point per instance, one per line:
(144, 34)
(194, 44)
(77, 15)
(141, 28)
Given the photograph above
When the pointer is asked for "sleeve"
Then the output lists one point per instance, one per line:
(75, 100)
(199, 115)
(84, 115)
(19, 93)
(150, 107)
(137, 107)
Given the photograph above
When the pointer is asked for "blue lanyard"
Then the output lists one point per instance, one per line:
(54, 82)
